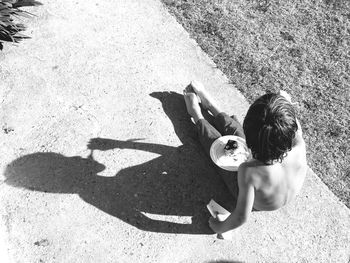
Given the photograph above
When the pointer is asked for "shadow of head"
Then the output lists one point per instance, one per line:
(52, 172)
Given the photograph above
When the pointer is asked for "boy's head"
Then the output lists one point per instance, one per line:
(270, 127)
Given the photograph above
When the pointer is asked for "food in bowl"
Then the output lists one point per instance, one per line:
(235, 150)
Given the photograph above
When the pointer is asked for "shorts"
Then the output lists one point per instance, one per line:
(223, 125)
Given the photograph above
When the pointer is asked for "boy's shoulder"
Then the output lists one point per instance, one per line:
(250, 168)
(254, 171)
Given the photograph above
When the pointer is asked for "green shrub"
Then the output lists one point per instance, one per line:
(9, 11)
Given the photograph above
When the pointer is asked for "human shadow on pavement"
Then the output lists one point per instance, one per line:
(152, 196)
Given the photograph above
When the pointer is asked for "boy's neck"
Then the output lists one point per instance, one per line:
(265, 164)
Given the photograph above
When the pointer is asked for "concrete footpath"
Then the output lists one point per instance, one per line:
(100, 163)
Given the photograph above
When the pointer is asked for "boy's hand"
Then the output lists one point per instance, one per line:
(216, 225)
(286, 95)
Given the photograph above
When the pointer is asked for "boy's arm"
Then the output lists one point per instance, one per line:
(243, 208)
(299, 131)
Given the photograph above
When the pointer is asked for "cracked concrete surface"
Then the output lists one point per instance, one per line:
(108, 76)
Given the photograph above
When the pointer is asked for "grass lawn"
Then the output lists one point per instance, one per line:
(302, 47)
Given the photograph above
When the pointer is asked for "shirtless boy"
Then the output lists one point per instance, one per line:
(275, 174)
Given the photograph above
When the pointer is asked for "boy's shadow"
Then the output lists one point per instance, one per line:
(180, 182)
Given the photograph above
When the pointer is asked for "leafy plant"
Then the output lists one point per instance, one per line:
(9, 11)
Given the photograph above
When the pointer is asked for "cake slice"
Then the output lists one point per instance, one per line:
(230, 147)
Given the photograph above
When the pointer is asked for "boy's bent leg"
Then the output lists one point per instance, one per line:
(227, 125)
(207, 134)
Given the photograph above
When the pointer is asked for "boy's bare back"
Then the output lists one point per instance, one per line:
(277, 184)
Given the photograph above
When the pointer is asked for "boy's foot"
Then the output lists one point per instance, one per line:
(207, 101)
(192, 105)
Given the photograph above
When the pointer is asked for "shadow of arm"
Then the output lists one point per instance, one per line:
(109, 144)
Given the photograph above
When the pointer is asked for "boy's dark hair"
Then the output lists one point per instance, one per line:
(270, 126)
